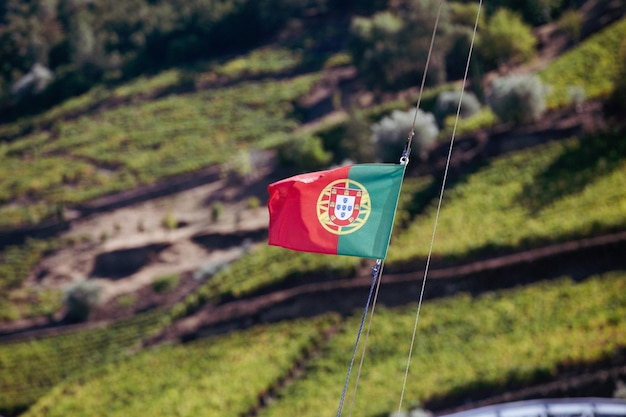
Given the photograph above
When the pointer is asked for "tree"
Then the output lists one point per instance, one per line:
(357, 144)
(506, 40)
(463, 18)
(390, 134)
(534, 12)
(27, 29)
(390, 48)
(517, 98)
(81, 299)
(306, 153)
(447, 104)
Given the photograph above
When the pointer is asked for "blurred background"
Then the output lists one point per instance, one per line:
(137, 141)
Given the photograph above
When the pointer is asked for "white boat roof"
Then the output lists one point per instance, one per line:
(560, 407)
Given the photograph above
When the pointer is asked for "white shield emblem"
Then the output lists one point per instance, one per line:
(344, 206)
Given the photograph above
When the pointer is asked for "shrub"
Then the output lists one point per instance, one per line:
(463, 17)
(165, 283)
(338, 60)
(126, 300)
(240, 168)
(570, 22)
(80, 299)
(390, 134)
(448, 102)
(506, 40)
(517, 98)
(217, 209)
(306, 154)
(253, 202)
(390, 48)
(208, 269)
(464, 14)
(169, 222)
(534, 12)
(355, 138)
(576, 96)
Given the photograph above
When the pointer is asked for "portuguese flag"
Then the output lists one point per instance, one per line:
(343, 211)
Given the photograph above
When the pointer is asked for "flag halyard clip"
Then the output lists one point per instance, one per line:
(404, 159)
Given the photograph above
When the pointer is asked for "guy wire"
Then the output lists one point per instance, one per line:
(367, 336)
(443, 184)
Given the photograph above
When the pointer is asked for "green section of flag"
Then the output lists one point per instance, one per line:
(382, 182)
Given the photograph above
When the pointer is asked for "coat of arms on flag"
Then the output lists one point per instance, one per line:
(343, 206)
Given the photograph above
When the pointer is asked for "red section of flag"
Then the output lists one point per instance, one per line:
(293, 212)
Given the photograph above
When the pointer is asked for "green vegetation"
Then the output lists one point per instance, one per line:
(126, 300)
(463, 344)
(116, 136)
(518, 99)
(571, 23)
(390, 134)
(85, 44)
(389, 48)
(261, 267)
(535, 12)
(260, 62)
(506, 39)
(514, 337)
(523, 199)
(447, 105)
(593, 65)
(169, 222)
(81, 298)
(16, 261)
(29, 302)
(30, 368)
(138, 144)
(542, 194)
(305, 153)
(484, 119)
(224, 375)
(165, 283)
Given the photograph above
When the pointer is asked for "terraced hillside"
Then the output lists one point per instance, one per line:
(154, 191)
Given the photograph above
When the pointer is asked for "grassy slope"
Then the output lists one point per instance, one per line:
(554, 192)
(463, 343)
(73, 155)
(217, 376)
(31, 368)
(592, 66)
(266, 265)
